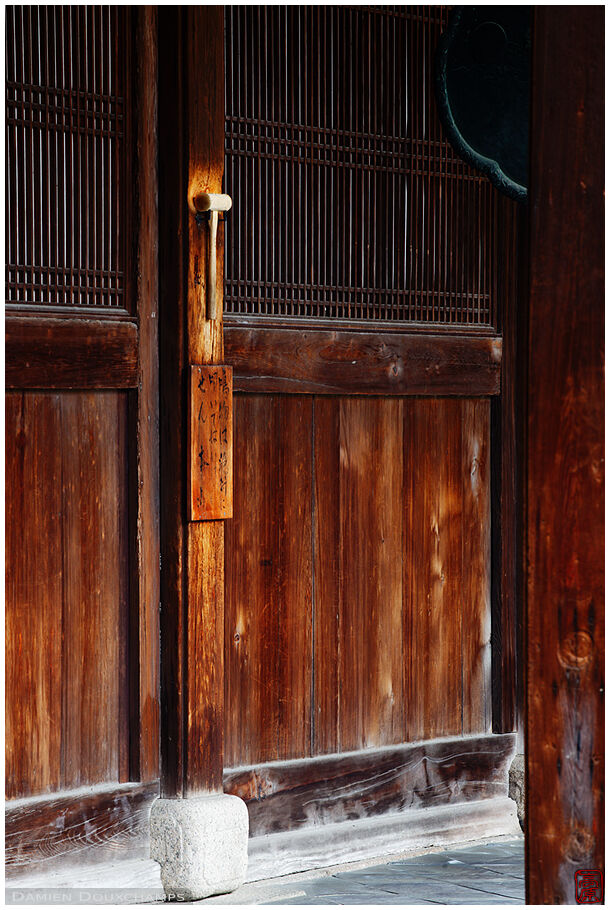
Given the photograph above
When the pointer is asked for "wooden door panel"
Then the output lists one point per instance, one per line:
(66, 552)
(82, 461)
(34, 594)
(268, 582)
(377, 512)
(370, 544)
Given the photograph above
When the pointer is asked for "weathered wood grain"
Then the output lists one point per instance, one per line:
(364, 363)
(94, 578)
(144, 418)
(268, 594)
(66, 589)
(80, 826)
(294, 576)
(34, 595)
(393, 550)
(210, 443)
(70, 353)
(358, 785)
(172, 412)
(412, 830)
(507, 434)
(433, 478)
(370, 608)
(327, 576)
(192, 583)
(475, 583)
(565, 456)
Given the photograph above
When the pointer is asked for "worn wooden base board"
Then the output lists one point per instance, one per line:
(317, 847)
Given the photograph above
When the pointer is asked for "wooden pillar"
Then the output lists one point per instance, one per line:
(565, 469)
(191, 139)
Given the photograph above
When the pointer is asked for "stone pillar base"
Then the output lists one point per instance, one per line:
(201, 844)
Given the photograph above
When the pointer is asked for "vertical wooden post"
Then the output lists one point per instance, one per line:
(191, 51)
(565, 469)
(144, 419)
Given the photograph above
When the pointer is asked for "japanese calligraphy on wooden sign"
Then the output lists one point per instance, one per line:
(210, 444)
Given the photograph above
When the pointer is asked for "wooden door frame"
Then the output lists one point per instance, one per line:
(191, 147)
(191, 160)
(184, 729)
(564, 555)
(76, 353)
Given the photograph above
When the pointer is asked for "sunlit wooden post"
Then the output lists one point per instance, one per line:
(198, 834)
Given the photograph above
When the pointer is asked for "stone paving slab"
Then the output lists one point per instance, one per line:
(480, 874)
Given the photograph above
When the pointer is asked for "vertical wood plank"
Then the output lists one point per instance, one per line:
(370, 663)
(172, 414)
(327, 576)
(507, 435)
(293, 547)
(95, 583)
(475, 583)
(144, 418)
(565, 456)
(433, 522)
(268, 590)
(251, 624)
(33, 593)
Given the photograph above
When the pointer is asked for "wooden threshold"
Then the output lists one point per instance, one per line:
(85, 825)
(71, 353)
(283, 796)
(411, 831)
(362, 363)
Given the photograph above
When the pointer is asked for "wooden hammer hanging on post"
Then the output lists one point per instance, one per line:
(207, 206)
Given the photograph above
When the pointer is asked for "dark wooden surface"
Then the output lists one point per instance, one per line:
(70, 353)
(507, 441)
(329, 362)
(376, 512)
(143, 441)
(66, 589)
(172, 415)
(105, 824)
(192, 581)
(336, 788)
(565, 456)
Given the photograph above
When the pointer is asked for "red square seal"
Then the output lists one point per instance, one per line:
(589, 886)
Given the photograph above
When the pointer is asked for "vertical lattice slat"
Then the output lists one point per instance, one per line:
(66, 154)
(348, 201)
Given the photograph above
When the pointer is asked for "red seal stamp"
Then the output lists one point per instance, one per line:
(589, 886)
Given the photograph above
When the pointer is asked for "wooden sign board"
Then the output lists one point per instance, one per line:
(210, 443)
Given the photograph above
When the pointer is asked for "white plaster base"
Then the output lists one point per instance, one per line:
(201, 844)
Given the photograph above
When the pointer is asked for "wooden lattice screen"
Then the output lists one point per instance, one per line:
(66, 158)
(348, 201)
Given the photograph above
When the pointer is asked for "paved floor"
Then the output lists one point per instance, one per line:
(480, 873)
(491, 873)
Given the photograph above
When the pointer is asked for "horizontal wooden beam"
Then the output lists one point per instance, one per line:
(43, 833)
(46, 353)
(284, 796)
(362, 363)
(411, 831)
